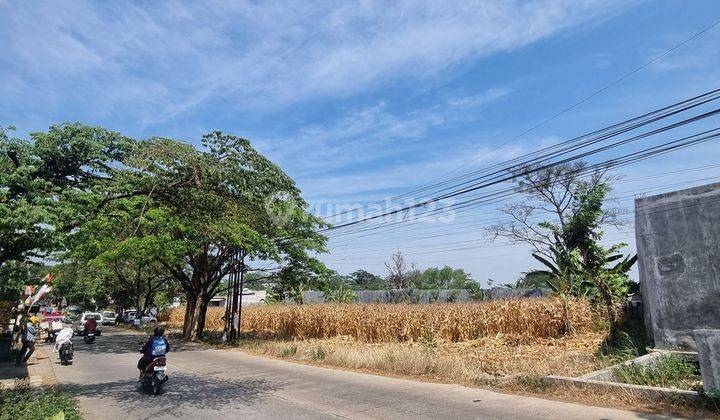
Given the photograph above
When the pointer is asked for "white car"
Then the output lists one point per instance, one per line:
(129, 318)
(79, 325)
(108, 317)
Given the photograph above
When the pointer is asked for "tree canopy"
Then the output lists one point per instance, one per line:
(135, 216)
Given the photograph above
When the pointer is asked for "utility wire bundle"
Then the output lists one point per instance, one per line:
(578, 148)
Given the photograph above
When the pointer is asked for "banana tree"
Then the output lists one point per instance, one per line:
(563, 277)
(611, 283)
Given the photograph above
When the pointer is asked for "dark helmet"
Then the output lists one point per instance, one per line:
(159, 331)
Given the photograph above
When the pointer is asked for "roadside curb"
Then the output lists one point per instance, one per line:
(43, 372)
(37, 373)
(645, 391)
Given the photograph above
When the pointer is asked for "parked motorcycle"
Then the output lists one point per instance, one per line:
(155, 375)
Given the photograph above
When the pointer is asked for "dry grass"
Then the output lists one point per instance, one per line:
(465, 362)
(504, 363)
(453, 322)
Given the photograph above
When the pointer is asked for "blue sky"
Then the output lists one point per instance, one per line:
(362, 100)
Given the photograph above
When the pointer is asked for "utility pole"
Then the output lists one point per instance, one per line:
(233, 311)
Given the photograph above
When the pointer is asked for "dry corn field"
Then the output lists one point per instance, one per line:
(453, 322)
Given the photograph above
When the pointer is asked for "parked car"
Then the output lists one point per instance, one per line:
(129, 318)
(71, 314)
(128, 315)
(79, 325)
(108, 317)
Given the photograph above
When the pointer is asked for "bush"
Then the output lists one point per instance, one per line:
(28, 404)
(289, 351)
(318, 353)
(668, 371)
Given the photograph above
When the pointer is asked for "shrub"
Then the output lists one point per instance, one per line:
(289, 351)
(28, 404)
(669, 371)
(318, 353)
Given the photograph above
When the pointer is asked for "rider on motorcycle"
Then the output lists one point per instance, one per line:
(156, 346)
(90, 325)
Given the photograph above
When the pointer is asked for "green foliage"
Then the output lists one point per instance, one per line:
(668, 371)
(318, 353)
(580, 265)
(340, 294)
(289, 351)
(28, 404)
(477, 293)
(562, 277)
(441, 278)
(50, 185)
(711, 399)
(127, 215)
(626, 347)
(299, 275)
(364, 280)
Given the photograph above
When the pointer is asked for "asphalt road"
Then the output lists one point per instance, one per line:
(210, 384)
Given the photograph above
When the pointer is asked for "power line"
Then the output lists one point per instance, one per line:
(621, 161)
(502, 176)
(563, 111)
(537, 219)
(593, 137)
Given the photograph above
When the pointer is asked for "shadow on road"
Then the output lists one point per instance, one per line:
(182, 391)
(124, 342)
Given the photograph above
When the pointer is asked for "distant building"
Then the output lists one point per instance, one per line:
(249, 297)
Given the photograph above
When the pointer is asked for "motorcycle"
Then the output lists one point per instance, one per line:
(66, 353)
(89, 337)
(155, 375)
(64, 346)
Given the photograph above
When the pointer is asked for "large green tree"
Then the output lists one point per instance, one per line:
(48, 184)
(442, 278)
(204, 206)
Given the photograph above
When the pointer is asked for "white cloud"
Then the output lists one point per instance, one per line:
(361, 137)
(174, 57)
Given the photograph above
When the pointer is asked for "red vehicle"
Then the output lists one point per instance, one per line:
(50, 314)
(155, 375)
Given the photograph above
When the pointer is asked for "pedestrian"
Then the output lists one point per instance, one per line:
(28, 341)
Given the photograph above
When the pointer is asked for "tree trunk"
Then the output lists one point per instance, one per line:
(189, 324)
(612, 316)
(202, 315)
(569, 329)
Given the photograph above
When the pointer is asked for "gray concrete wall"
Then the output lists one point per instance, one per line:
(678, 242)
(708, 345)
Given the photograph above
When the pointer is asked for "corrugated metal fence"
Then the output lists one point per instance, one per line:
(428, 296)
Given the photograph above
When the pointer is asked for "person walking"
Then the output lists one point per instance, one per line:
(28, 341)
